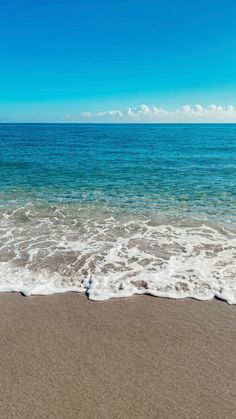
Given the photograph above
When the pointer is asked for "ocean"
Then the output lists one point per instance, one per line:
(113, 210)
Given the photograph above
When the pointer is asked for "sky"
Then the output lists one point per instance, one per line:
(118, 61)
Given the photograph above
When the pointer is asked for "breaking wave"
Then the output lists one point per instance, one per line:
(54, 249)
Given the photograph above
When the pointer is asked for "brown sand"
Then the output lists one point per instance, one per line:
(63, 356)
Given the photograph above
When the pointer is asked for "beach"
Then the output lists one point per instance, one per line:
(63, 356)
(118, 210)
(117, 261)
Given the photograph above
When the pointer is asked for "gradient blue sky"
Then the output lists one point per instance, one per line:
(62, 58)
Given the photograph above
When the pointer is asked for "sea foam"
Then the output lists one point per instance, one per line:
(53, 250)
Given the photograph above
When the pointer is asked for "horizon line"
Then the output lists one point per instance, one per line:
(116, 123)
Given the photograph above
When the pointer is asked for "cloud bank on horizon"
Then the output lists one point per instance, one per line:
(145, 113)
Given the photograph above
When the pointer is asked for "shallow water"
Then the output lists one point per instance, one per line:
(113, 210)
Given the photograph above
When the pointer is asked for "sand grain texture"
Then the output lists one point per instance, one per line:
(63, 356)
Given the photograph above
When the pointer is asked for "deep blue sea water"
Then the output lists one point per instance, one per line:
(114, 210)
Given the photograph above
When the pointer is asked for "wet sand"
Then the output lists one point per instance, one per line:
(63, 356)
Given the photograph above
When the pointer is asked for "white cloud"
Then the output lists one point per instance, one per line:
(212, 110)
(145, 113)
(109, 113)
(87, 114)
(144, 110)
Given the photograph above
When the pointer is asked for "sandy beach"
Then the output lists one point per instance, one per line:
(63, 356)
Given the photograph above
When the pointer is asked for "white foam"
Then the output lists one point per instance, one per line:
(59, 251)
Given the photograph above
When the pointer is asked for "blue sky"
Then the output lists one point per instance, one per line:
(80, 60)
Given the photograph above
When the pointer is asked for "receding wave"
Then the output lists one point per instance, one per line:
(46, 250)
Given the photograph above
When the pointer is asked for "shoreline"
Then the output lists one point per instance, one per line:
(63, 356)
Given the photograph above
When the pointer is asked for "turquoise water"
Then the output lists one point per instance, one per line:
(177, 169)
(114, 210)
